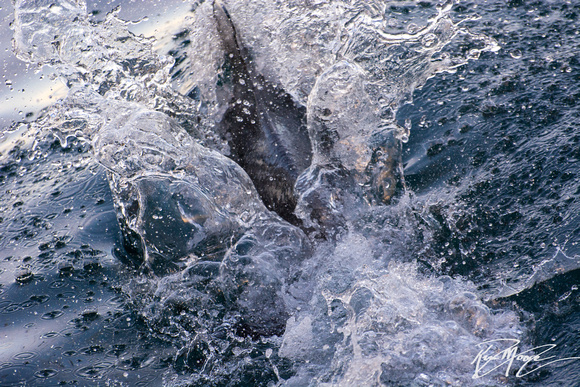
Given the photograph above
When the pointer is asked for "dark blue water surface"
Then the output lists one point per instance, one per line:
(493, 210)
(504, 142)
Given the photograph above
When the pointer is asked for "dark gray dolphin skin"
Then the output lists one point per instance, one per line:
(265, 128)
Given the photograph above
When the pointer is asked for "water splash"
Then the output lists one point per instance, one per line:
(363, 62)
(238, 295)
(296, 42)
(104, 57)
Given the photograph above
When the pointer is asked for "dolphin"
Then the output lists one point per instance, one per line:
(265, 127)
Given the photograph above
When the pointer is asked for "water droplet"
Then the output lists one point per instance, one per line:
(96, 371)
(52, 315)
(57, 284)
(45, 374)
(429, 40)
(412, 28)
(24, 276)
(516, 54)
(24, 356)
(90, 315)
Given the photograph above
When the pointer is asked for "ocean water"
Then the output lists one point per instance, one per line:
(108, 104)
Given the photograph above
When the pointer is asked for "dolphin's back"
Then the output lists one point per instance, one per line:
(265, 128)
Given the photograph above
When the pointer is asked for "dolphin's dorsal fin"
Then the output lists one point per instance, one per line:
(226, 30)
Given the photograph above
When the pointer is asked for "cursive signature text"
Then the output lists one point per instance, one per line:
(491, 357)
